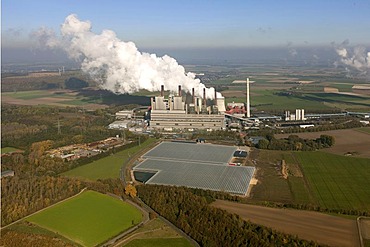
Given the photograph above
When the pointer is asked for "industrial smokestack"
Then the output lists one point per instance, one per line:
(204, 97)
(193, 94)
(248, 100)
(180, 94)
(162, 90)
(215, 97)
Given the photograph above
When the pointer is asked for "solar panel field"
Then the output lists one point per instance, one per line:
(201, 166)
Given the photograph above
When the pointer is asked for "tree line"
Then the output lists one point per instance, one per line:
(207, 225)
(294, 142)
(24, 196)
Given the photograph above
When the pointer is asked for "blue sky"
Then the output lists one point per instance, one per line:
(202, 24)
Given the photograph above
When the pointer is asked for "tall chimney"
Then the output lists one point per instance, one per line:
(180, 94)
(193, 94)
(215, 97)
(248, 100)
(162, 90)
(204, 97)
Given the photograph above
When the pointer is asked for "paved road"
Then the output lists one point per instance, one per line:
(322, 228)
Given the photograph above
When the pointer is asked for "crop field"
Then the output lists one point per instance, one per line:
(364, 130)
(315, 178)
(159, 242)
(355, 141)
(50, 97)
(322, 228)
(8, 150)
(271, 186)
(155, 233)
(88, 219)
(337, 182)
(108, 167)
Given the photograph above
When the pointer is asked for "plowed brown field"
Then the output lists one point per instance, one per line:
(322, 228)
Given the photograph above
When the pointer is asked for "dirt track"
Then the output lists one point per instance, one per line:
(322, 228)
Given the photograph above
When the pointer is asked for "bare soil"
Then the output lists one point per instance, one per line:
(322, 228)
(346, 140)
(365, 227)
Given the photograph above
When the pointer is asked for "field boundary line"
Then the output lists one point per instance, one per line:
(358, 220)
(17, 221)
(305, 181)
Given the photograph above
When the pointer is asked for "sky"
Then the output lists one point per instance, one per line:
(195, 24)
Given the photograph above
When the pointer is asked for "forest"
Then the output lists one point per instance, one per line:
(207, 225)
(21, 197)
(294, 142)
(24, 125)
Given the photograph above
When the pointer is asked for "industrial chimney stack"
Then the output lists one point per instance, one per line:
(162, 90)
(193, 94)
(248, 100)
(215, 97)
(180, 91)
(204, 97)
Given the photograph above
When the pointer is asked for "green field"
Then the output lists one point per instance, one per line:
(8, 150)
(88, 219)
(159, 242)
(330, 181)
(268, 100)
(156, 233)
(26, 95)
(108, 167)
(365, 130)
(337, 182)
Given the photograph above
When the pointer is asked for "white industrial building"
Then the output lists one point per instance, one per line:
(298, 116)
(173, 113)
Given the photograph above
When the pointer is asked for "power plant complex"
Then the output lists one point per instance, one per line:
(181, 111)
(175, 113)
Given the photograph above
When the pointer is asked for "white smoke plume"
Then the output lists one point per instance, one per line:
(119, 66)
(357, 57)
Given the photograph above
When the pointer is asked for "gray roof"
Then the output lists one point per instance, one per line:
(192, 152)
(201, 166)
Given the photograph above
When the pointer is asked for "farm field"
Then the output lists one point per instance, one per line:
(50, 97)
(155, 233)
(34, 234)
(322, 228)
(108, 167)
(356, 141)
(364, 130)
(337, 182)
(88, 219)
(314, 178)
(271, 185)
(8, 150)
(159, 242)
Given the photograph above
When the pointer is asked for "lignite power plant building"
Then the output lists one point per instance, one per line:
(174, 113)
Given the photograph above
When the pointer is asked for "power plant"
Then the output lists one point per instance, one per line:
(175, 113)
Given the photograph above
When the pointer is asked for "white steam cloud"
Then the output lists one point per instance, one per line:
(119, 66)
(357, 57)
